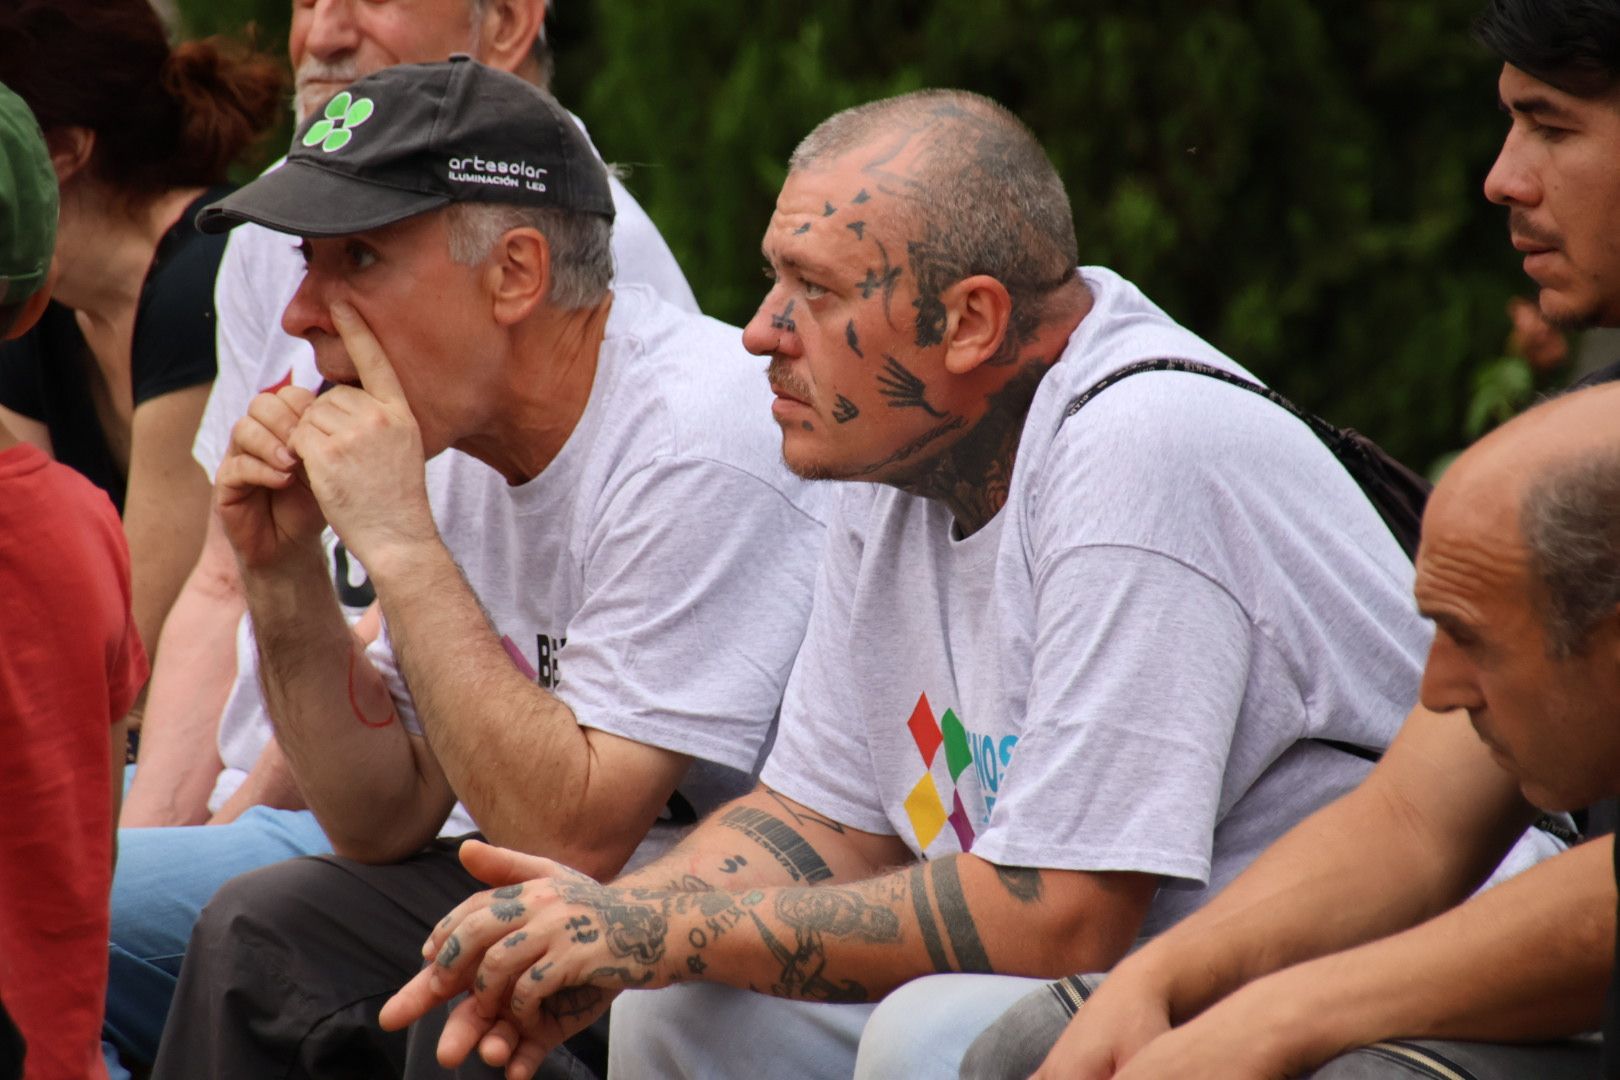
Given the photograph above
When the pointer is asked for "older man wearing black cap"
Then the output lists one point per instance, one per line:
(456, 229)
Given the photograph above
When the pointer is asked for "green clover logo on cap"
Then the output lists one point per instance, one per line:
(335, 129)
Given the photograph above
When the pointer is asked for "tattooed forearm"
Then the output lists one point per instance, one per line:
(1023, 882)
(786, 846)
(925, 919)
(632, 930)
(903, 389)
(958, 920)
(844, 410)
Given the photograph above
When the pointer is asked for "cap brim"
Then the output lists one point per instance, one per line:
(304, 200)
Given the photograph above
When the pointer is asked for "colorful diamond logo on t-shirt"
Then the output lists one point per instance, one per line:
(924, 807)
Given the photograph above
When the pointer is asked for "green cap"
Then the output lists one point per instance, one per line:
(27, 202)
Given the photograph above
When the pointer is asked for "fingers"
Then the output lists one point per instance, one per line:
(370, 362)
(497, 1046)
(411, 1002)
(463, 1029)
(239, 474)
(265, 432)
(502, 866)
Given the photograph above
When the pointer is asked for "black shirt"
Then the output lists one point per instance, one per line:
(46, 375)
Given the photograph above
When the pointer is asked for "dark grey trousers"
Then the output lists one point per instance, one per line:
(1015, 1045)
(289, 965)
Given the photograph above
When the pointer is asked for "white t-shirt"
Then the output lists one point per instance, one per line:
(257, 277)
(657, 575)
(1126, 667)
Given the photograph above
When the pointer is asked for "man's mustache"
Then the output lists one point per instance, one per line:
(782, 379)
(1520, 228)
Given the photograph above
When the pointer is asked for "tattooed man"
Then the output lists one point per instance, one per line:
(606, 647)
(1064, 675)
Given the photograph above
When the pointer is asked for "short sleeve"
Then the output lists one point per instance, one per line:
(174, 334)
(1140, 669)
(127, 670)
(821, 757)
(697, 578)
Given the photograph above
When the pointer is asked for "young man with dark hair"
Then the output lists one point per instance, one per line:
(1353, 928)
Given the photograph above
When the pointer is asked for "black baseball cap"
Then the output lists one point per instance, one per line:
(416, 137)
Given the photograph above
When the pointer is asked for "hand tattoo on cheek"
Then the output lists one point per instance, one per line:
(903, 389)
(784, 320)
(844, 410)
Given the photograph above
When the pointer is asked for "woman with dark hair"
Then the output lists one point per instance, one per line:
(114, 378)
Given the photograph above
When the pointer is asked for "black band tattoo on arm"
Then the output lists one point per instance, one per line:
(853, 341)
(958, 920)
(925, 919)
(786, 846)
(1023, 882)
(844, 410)
(903, 389)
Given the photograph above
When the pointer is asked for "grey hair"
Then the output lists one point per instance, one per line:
(581, 245)
(1570, 525)
(540, 54)
(982, 193)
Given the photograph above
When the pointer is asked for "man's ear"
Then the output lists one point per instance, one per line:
(507, 30)
(70, 149)
(977, 313)
(518, 274)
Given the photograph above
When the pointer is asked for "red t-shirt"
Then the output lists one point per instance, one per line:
(70, 666)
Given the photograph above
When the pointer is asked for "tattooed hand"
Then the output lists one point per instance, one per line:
(543, 955)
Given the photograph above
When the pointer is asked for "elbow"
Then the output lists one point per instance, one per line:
(575, 845)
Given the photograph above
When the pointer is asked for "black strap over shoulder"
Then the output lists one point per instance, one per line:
(1397, 492)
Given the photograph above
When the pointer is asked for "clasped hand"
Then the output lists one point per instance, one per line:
(351, 458)
(544, 954)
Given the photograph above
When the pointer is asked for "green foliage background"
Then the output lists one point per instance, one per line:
(1297, 180)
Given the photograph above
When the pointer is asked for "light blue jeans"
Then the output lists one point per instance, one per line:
(163, 879)
(701, 1030)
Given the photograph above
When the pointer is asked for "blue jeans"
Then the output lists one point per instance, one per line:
(702, 1031)
(163, 879)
